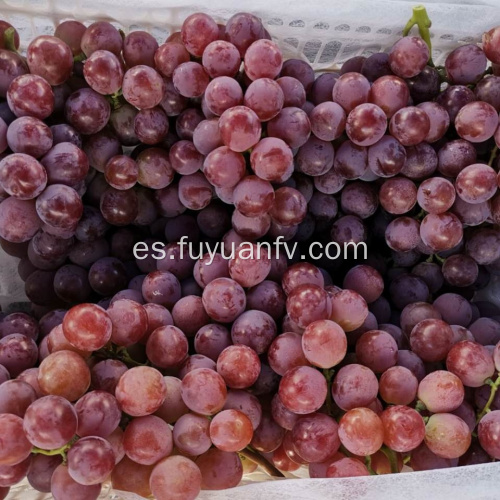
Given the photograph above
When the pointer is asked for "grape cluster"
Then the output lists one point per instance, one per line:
(170, 376)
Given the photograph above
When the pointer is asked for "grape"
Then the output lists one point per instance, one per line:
(30, 136)
(408, 56)
(65, 163)
(293, 90)
(87, 326)
(211, 340)
(349, 310)
(354, 386)
(131, 476)
(239, 128)
(155, 170)
(12, 65)
(191, 434)
(487, 432)
(263, 59)
(303, 390)
(190, 79)
(476, 121)
(471, 362)
(390, 93)
(441, 231)
(460, 270)
(410, 125)
(404, 428)
(198, 30)
(328, 121)
(103, 72)
(40, 471)
(361, 431)
(324, 343)
(263, 96)
(106, 374)
(141, 391)
(292, 125)
(487, 90)
(436, 195)
(139, 47)
(224, 167)
(350, 90)
(454, 156)
(147, 440)
(346, 467)
(286, 353)
(239, 366)
(231, 430)
(101, 36)
(220, 58)
(386, 158)
(63, 486)
(224, 300)
(307, 303)
(219, 469)
(482, 246)
(366, 124)
(213, 397)
(447, 435)
(22, 176)
(441, 392)
(476, 183)
(351, 160)
(439, 120)
(268, 436)
(17, 353)
(398, 385)
(87, 111)
(454, 309)
(167, 347)
(377, 350)
(30, 95)
(431, 339)
(173, 406)
(143, 87)
(168, 56)
(16, 396)
(50, 58)
(402, 234)
(98, 414)
(253, 196)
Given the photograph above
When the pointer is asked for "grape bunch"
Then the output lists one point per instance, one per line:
(165, 376)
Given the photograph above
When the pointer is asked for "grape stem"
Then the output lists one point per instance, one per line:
(63, 450)
(391, 456)
(493, 155)
(368, 463)
(266, 466)
(420, 18)
(494, 387)
(9, 39)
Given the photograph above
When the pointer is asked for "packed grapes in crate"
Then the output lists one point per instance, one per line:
(340, 336)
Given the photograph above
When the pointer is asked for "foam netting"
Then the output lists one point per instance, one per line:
(325, 33)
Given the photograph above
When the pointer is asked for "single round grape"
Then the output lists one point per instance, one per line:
(398, 385)
(476, 183)
(255, 329)
(147, 440)
(62, 486)
(30, 95)
(351, 90)
(167, 347)
(49, 57)
(439, 120)
(402, 234)
(103, 72)
(65, 374)
(195, 192)
(324, 343)
(87, 111)
(366, 124)
(190, 79)
(460, 270)
(131, 476)
(168, 56)
(141, 391)
(410, 125)
(408, 56)
(436, 195)
(441, 231)
(286, 353)
(351, 161)
(454, 98)
(354, 386)
(224, 168)
(390, 93)
(221, 58)
(377, 350)
(191, 434)
(471, 362)
(98, 414)
(328, 121)
(404, 428)
(265, 97)
(198, 30)
(361, 431)
(487, 432)
(12, 65)
(213, 396)
(101, 35)
(223, 93)
(87, 327)
(240, 128)
(447, 435)
(263, 59)
(239, 366)
(454, 309)
(50, 422)
(224, 299)
(431, 339)
(441, 392)
(22, 176)
(346, 467)
(476, 121)
(303, 390)
(143, 87)
(219, 469)
(292, 125)
(348, 309)
(231, 430)
(30, 136)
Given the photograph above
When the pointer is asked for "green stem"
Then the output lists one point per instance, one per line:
(59, 451)
(262, 462)
(420, 406)
(368, 463)
(9, 36)
(80, 57)
(123, 355)
(406, 459)
(391, 456)
(421, 19)
(494, 387)
(493, 155)
(329, 400)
